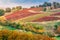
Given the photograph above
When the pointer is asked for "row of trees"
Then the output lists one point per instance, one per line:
(26, 27)
(13, 9)
(16, 35)
(46, 4)
(7, 10)
(31, 27)
(10, 24)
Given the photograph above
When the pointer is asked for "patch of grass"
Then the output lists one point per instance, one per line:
(7, 27)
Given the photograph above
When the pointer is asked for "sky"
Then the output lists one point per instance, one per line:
(23, 3)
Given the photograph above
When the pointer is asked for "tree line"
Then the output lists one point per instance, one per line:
(7, 10)
(17, 35)
(46, 4)
(53, 5)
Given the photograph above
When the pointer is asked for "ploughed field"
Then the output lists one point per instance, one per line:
(56, 14)
(19, 15)
(47, 18)
(29, 15)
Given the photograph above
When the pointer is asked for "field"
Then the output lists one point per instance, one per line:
(31, 21)
(30, 15)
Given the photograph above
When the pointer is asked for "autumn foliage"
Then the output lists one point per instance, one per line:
(17, 35)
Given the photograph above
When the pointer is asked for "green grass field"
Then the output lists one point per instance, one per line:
(7, 27)
(57, 38)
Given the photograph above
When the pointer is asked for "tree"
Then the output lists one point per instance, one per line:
(19, 7)
(2, 12)
(17, 35)
(55, 27)
(44, 9)
(32, 6)
(8, 9)
(45, 4)
(55, 5)
(49, 4)
(58, 30)
(58, 5)
(40, 6)
(13, 9)
(37, 6)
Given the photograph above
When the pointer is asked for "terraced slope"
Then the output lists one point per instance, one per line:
(47, 18)
(30, 15)
(20, 14)
(56, 14)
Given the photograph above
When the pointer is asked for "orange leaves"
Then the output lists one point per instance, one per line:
(16, 35)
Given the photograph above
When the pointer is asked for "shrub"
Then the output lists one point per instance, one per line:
(16, 35)
(2, 12)
(8, 9)
(44, 9)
